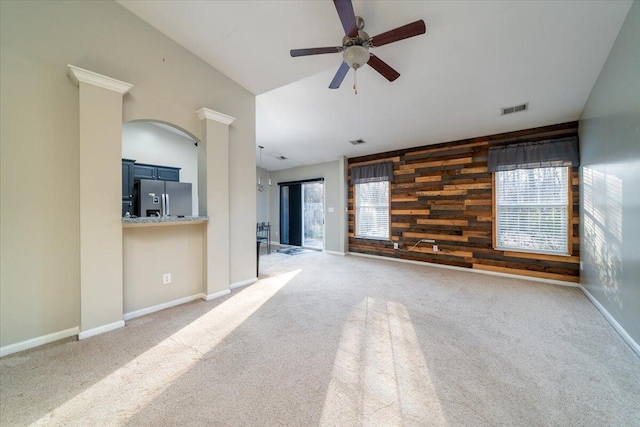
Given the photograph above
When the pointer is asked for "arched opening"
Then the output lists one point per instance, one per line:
(161, 151)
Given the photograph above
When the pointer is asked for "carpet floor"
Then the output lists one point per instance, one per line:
(341, 341)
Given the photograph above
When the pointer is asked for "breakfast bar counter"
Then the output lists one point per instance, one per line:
(162, 221)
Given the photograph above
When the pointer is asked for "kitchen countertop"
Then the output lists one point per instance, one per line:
(162, 221)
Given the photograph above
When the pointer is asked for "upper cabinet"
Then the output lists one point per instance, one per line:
(168, 174)
(145, 171)
(164, 173)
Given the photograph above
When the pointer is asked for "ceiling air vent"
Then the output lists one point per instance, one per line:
(281, 158)
(514, 109)
(358, 141)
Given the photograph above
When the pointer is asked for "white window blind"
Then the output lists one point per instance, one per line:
(532, 210)
(372, 210)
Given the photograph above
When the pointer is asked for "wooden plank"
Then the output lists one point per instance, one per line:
(449, 237)
(442, 221)
(463, 254)
(437, 163)
(450, 146)
(524, 272)
(431, 178)
(472, 233)
(370, 162)
(546, 257)
(482, 169)
(400, 225)
(478, 202)
(442, 193)
(410, 212)
(482, 186)
(403, 199)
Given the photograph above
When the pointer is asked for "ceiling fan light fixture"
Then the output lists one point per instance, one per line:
(356, 56)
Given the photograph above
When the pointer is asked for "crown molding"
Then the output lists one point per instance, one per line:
(205, 113)
(77, 75)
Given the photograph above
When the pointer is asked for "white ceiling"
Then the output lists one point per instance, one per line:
(475, 58)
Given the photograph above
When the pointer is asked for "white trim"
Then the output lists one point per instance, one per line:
(334, 252)
(215, 295)
(77, 75)
(38, 341)
(243, 283)
(619, 329)
(205, 113)
(101, 329)
(153, 309)
(470, 270)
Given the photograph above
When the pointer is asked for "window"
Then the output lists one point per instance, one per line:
(532, 210)
(372, 210)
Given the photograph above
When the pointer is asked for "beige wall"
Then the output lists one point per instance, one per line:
(149, 252)
(333, 174)
(39, 144)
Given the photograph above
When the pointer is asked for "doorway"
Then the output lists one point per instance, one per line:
(302, 213)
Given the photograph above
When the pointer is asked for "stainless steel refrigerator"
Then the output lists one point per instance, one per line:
(162, 198)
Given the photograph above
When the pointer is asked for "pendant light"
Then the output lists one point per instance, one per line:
(260, 186)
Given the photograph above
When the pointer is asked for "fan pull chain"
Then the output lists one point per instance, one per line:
(355, 80)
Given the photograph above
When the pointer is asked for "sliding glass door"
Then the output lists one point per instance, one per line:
(302, 213)
(313, 215)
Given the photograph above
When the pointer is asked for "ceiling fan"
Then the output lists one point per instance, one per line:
(356, 44)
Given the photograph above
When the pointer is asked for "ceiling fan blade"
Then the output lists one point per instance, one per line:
(315, 51)
(340, 75)
(347, 17)
(383, 68)
(400, 33)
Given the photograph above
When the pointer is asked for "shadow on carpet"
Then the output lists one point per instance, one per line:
(292, 251)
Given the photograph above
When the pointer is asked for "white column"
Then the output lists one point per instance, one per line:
(101, 306)
(213, 194)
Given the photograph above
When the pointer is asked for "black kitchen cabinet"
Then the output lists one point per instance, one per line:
(127, 179)
(127, 206)
(164, 173)
(141, 171)
(168, 174)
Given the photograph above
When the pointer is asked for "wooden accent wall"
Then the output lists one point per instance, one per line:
(444, 192)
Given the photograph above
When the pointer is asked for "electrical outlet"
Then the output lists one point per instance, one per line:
(581, 266)
(395, 245)
(435, 248)
(166, 278)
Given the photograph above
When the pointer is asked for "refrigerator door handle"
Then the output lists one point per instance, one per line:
(164, 204)
(168, 206)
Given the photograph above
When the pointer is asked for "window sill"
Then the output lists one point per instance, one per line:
(382, 239)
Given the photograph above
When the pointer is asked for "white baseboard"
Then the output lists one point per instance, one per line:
(619, 329)
(469, 270)
(334, 252)
(243, 283)
(149, 310)
(216, 295)
(100, 330)
(38, 341)
(275, 243)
